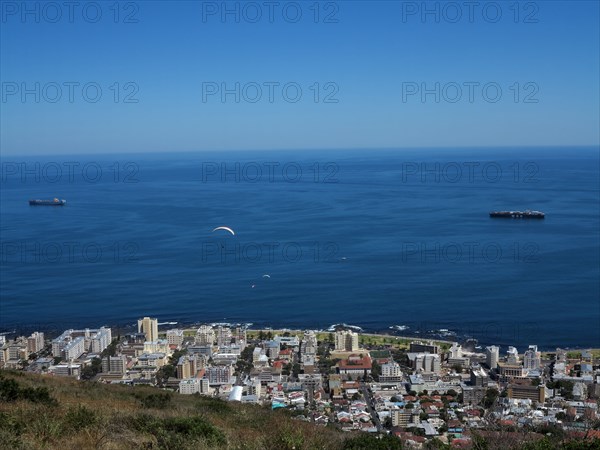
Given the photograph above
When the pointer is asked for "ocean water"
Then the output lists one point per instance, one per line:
(369, 238)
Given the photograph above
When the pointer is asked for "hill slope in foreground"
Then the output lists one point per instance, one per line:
(47, 412)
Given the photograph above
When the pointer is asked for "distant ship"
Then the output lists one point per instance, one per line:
(527, 214)
(55, 202)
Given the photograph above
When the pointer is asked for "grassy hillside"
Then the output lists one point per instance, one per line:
(51, 412)
(42, 412)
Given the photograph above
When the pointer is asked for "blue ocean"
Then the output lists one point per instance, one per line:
(372, 238)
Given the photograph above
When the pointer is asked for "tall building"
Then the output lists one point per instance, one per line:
(94, 341)
(220, 374)
(456, 356)
(510, 371)
(492, 354)
(35, 342)
(309, 344)
(390, 372)
(455, 351)
(175, 337)
(239, 337)
(479, 377)
(425, 362)
(223, 336)
(188, 366)
(403, 417)
(75, 348)
(194, 385)
(100, 340)
(149, 327)
(532, 359)
(205, 335)
(512, 355)
(114, 365)
(346, 341)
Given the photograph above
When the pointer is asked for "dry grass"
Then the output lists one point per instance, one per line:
(97, 416)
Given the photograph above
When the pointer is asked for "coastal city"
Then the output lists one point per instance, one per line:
(420, 391)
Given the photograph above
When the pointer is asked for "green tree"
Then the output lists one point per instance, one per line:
(491, 395)
(457, 368)
(296, 368)
(111, 349)
(375, 370)
(92, 370)
(418, 431)
(436, 444)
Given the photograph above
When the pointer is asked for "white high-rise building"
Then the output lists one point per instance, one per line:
(100, 340)
(194, 385)
(75, 348)
(455, 351)
(532, 359)
(94, 341)
(223, 336)
(309, 344)
(346, 341)
(390, 372)
(512, 355)
(205, 335)
(149, 327)
(426, 362)
(492, 354)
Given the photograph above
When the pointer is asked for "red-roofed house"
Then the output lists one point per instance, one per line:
(355, 366)
(278, 364)
(286, 354)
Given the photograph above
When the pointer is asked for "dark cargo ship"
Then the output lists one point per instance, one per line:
(55, 202)
(527, 214)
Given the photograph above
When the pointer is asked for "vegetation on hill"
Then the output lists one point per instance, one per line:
(43, 412)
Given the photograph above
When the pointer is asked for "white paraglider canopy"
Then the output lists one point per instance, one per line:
(226, 229)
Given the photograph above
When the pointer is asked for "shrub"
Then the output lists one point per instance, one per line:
(157, 401)
(11, 391)
(80, 417)
(176, 432)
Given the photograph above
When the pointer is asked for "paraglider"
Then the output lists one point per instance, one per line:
(266, 275)
(226, 229)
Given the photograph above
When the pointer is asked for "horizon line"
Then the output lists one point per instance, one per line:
(309, 149)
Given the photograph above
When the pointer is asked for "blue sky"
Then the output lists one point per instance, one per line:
(365, 59)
